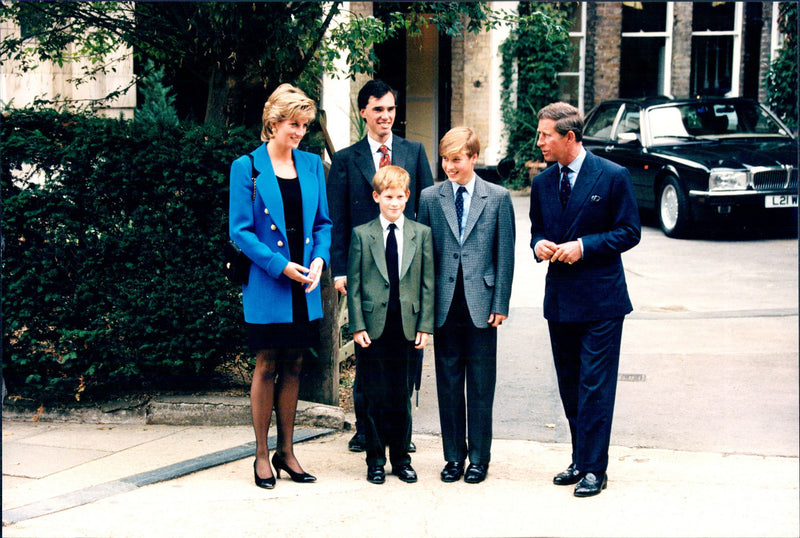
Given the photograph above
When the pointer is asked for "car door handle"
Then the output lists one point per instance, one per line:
(609, 148)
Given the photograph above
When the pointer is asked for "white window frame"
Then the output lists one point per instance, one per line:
(666, 75)
(581, 72)
(736, 61)
(776, 38)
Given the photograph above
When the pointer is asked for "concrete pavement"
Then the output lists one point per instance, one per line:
(651, 492)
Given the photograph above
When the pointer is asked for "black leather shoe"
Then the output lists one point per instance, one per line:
(476, 472)
(376, 474)
(591, 484)
(280, 465)
(266, 483)
(358, 443)
(405, 472)
(568, 477)
(452, 471)
(412, 447)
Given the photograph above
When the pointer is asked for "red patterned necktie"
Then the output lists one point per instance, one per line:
(385, 160)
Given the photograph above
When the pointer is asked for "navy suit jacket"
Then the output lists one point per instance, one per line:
(602, 211)
(350, 190)
(258, 227)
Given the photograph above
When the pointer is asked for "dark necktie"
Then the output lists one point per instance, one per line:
(460, 205)
(385, 160)
(392, 268)
(565, 190)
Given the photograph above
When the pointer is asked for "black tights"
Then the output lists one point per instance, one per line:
(276, 383)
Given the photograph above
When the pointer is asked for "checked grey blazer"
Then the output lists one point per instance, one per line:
(486, 256)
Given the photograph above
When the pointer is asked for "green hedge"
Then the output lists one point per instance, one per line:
(111, 269)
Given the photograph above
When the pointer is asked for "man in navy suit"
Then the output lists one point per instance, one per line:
(350, 193)
(583, 217)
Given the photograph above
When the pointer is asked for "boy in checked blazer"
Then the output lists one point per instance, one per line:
(390, 299)
(473, 242)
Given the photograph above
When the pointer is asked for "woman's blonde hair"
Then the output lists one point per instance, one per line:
(390, 177)
(459, 139)
(286, 102)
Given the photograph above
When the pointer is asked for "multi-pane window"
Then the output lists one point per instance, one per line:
(646, 45)
(716, 33)
(571, 80)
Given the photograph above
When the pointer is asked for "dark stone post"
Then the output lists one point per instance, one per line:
(320, 378)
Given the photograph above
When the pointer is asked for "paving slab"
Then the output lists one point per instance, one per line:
(651, 492)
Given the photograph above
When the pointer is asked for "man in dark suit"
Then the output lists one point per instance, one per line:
(473, 246)
(583, 217)
(350, 202)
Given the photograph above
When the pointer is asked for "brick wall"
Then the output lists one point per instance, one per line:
(364, 9)
(475, 86)
(766, 37)
(457, 82)
(607, 51)
(589, 61)
(681, 49)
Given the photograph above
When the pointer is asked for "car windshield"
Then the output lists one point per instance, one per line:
(711, 120)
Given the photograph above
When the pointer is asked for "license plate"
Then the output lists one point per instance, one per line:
(781, 200)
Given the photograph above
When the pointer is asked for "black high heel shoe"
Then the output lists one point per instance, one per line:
(266, 483)
(280, 464)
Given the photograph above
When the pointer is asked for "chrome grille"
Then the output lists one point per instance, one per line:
(775, 178)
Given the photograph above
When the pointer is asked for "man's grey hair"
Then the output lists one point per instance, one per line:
(567, 118)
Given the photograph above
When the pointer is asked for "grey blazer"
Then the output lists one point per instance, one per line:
(368, 280)
(486, 256)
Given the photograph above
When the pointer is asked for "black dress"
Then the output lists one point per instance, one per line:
(300, 333)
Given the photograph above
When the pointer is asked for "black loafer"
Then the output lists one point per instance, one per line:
(412, 447)
(358, 443)
(591, 484)
(453, 471)
(405, 472)
(476, 472)
(376, 474)
(568, 477)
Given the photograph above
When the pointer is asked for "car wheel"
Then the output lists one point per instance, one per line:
(673, 209)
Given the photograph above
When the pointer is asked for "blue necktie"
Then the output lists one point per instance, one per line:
(460, 205)
(565, 190)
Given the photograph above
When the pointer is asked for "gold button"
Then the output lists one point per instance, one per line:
(308, 240)
(280, 243)
(273, 227)
(266, 211)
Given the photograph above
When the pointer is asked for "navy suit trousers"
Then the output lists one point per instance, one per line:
(586, 356)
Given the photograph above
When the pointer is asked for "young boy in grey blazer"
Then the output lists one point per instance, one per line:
(390, 300)
(472, 222)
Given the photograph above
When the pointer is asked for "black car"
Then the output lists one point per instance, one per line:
(701, 159)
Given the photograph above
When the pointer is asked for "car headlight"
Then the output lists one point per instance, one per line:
(723, 179)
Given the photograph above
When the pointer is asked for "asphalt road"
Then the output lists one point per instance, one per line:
(709, 356)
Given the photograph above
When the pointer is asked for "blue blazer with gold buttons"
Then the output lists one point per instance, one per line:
(258, 227)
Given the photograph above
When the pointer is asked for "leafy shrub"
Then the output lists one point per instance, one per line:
(158, 106)
(537, 48)
(781, 77)
(113, 232)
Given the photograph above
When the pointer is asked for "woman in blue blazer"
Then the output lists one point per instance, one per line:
(281, 223)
